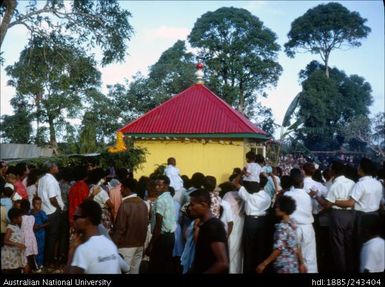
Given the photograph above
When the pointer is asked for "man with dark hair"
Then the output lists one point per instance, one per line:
(52, 204)
(254, 236)
(211, 244)
(304, 217)
(365, 197)
(164, 224)
(341, 219)
(130, 227)
(90, 252)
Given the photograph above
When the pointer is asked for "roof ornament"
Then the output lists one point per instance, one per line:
(199, 73)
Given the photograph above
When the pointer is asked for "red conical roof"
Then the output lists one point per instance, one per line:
(196, 111)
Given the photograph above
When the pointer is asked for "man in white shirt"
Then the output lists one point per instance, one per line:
(52, 204)
(91, 252)
(172, 172)
(342, 220)
(254, 231)
(303, 216)
(366, 193)
(372, 257)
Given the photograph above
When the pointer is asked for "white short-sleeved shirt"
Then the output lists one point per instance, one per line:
(101, 198)
(173, 174)
(308, 184)
(367, 194)
(48, 187)
(253, 169)
(341, 189)
(227, 214)
(373, 255)
(303, 211)
(98, 255)
(257, 203)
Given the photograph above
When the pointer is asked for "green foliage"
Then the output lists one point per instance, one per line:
(324, 28)
(100, 24)
(327, 104)
(55, 80)
(16, 128)
(132, 158)
(239, 53)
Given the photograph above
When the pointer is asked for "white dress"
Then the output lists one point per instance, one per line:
(235, 239)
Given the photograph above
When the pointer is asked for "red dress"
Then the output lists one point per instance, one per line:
(21, 190)
(76, 195)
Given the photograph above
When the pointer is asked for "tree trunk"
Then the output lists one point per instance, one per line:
(52, 134)
(241, 98)
(327, 65)
(11, 7)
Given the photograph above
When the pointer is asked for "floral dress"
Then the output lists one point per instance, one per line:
(11, 256)
(285, 239)
(28, 221)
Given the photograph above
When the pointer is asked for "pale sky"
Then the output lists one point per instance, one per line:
(159, 24)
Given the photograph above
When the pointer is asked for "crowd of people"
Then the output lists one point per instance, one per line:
(290, 218)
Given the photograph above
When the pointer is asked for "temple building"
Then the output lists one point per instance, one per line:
(200, 130)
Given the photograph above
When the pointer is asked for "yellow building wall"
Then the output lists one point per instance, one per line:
(211, 157)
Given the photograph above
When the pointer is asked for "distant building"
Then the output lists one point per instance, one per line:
(11, 152)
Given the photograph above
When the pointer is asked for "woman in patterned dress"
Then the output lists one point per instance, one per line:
(287, 256)
(12, 253)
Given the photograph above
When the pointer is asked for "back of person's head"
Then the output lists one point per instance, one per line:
(171, 161)
(92, 210)
(198, 180)
(371, 224)
(186, 181)
(317, 176)
(308, 168)
(297, 180)
(201, 195)
(226, 187)
(33, 176)
(79, 172)
(25, 206)
(338, 168)
(164, 178)
(95, 175)
(260, 159)
(251, 156)
(262, 180)
(21, 168)
(151, 187)
(66, 174)
(286, 204)
(210, 183)
(295, 171)
(8, 192)
(142, 186)
(351, 172)
(367, 166)
(13, 213)
(286, 182)
(11, 171)
(129, 183)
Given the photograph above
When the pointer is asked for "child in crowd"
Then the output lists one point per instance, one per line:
(251, 173)
(12, 253)
(286, 255)
(41, 223)
(27, 224)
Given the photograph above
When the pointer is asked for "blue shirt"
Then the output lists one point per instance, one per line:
(7, 203)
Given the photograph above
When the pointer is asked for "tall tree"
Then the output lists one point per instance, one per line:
(325, 28)
(91, 23)
(239, 52)
(54, 79)
(325, 105)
